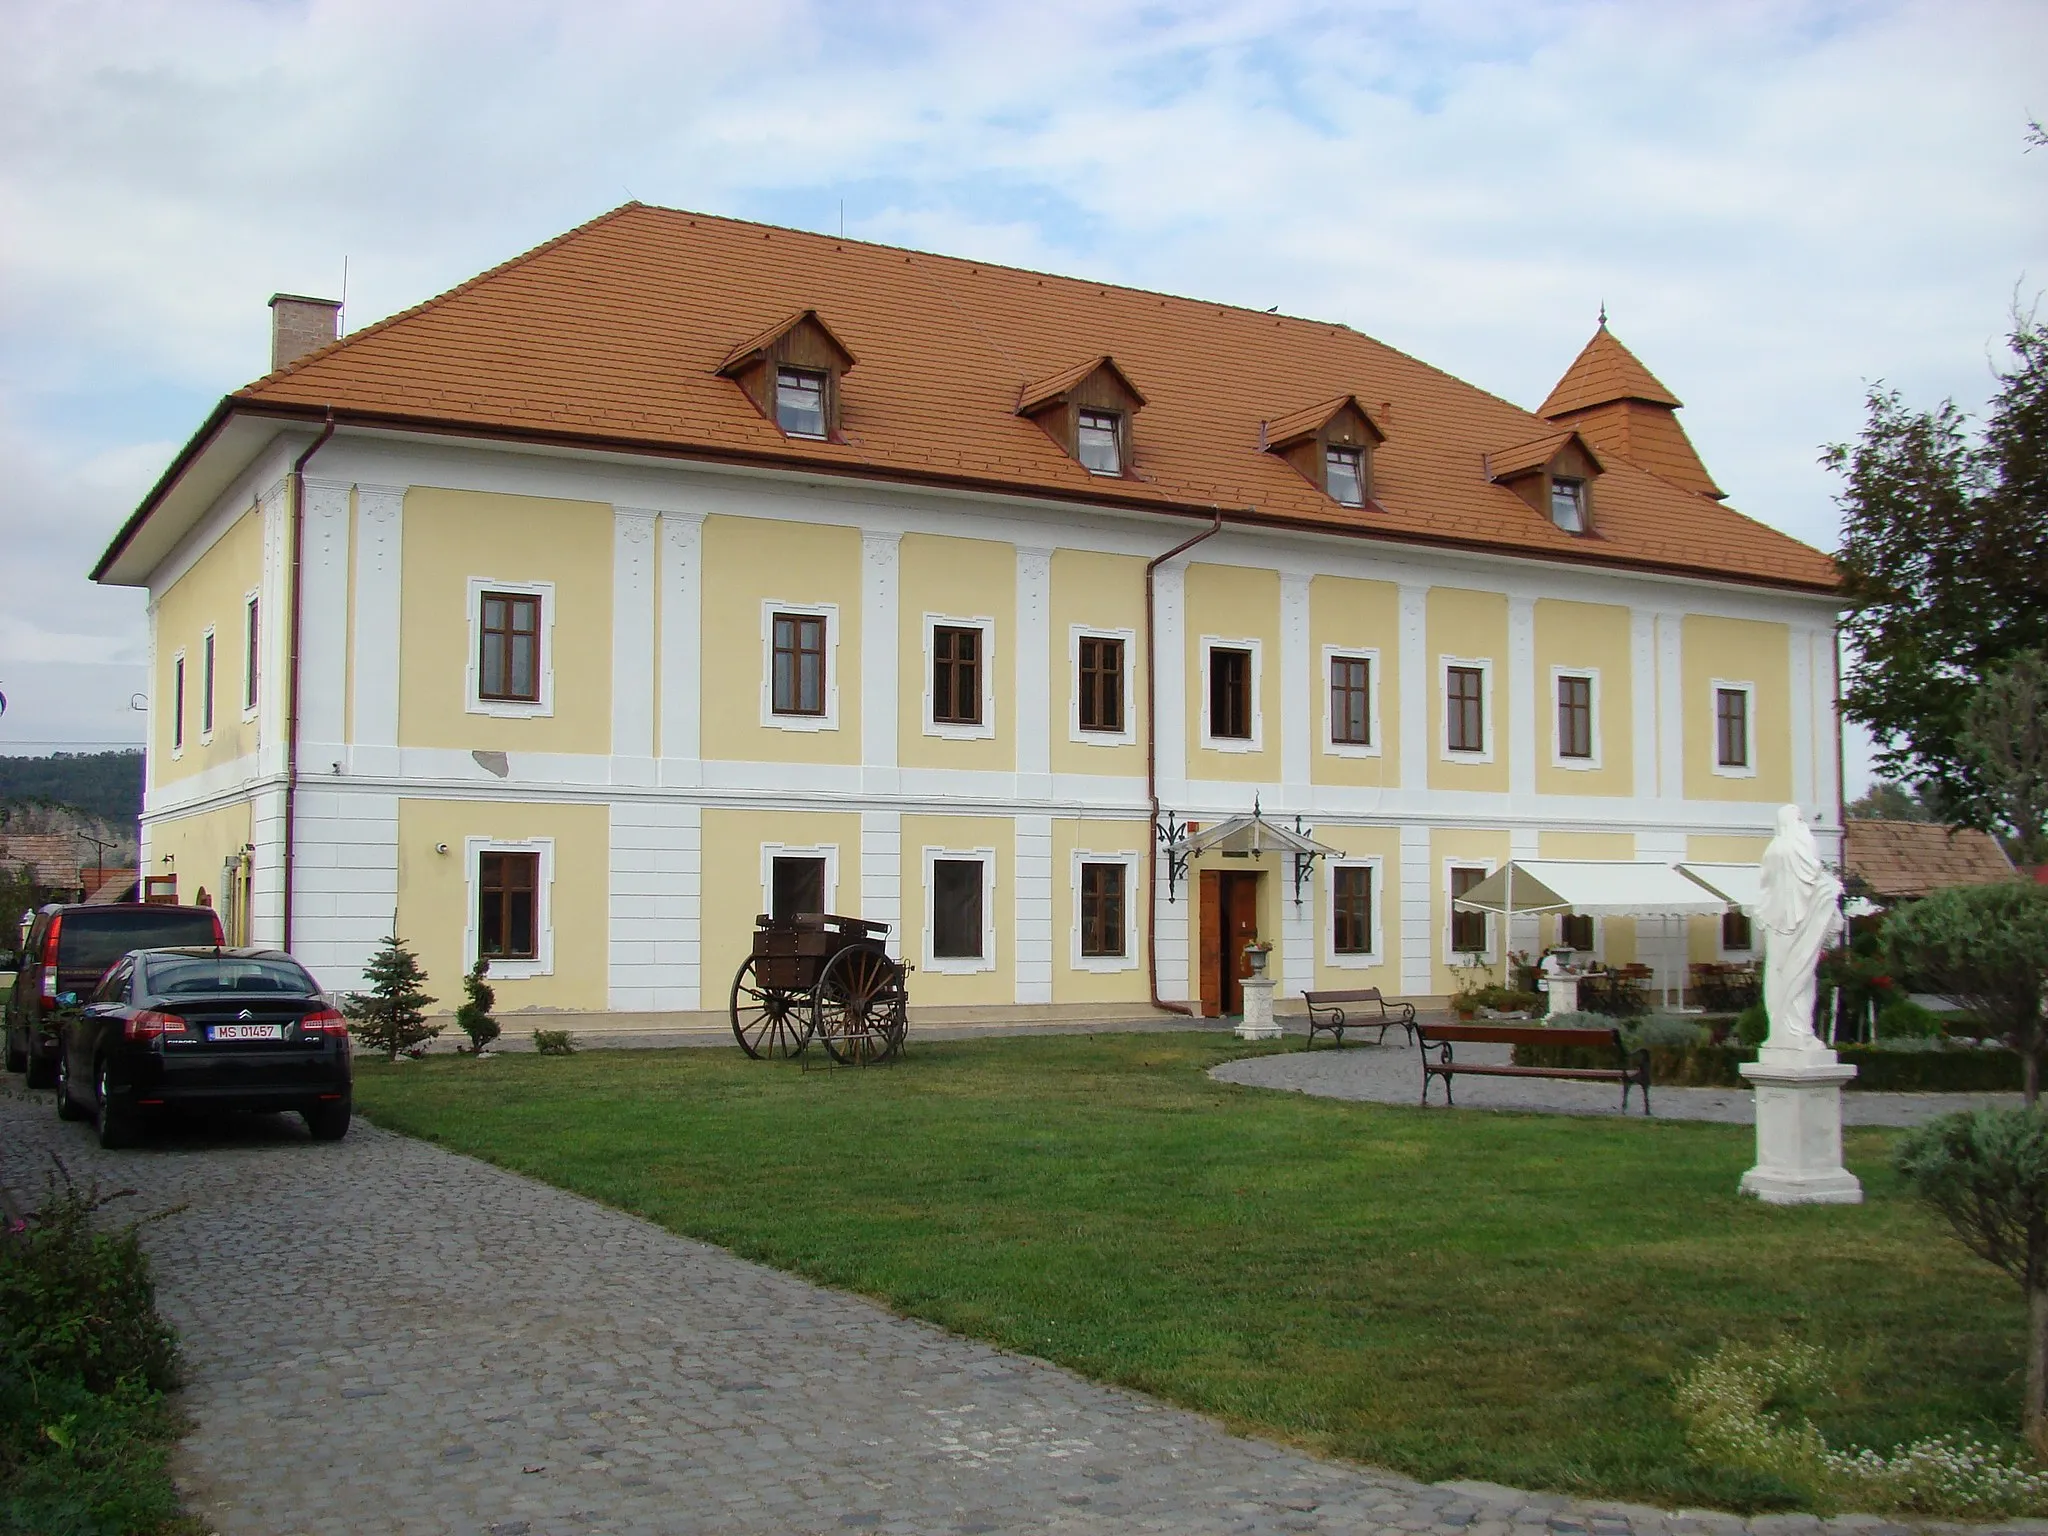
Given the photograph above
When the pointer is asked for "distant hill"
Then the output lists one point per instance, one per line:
(107, 785)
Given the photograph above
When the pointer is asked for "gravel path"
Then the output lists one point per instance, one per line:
(381, 1336)
(1392, 1074)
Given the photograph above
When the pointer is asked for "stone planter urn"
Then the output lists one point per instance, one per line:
(1256, 955)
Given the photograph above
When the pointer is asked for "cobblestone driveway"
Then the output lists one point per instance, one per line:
(384, 1337)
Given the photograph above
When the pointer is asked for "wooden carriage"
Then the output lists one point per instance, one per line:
(816, 974)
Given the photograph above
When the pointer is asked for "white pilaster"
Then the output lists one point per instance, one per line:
(1417, 939)
(881, 873)
(633, 582)
(1169, 672)
(1523, 693)
(682, 644)
(1297, 968)
(879, 657)
(654, 924)
(1523, 931)
(1642, 698)
(1033, 899)
(272, 632)
(323, 626)
(1034, 681)
(1827, 787)
(1414, 706)
(1800, 641)
(1297, 708)
(380, 548)
(345, 894)
(266, 870)
(1171, 921)
(1670, 709)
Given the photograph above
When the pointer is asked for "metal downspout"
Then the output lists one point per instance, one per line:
(1152, 770)
(291, 723)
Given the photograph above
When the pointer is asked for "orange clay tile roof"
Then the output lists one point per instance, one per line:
(1605, 370)
(1898, 859)
(611, 336)
(1307, 421)
(1506, 463)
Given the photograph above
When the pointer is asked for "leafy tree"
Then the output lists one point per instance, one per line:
(1985, 948)
(392, 1016)
(473, 1018)
(107, 784)
(1944, 559)
(2005, 733)
(1986, 1171)
(1886, 801)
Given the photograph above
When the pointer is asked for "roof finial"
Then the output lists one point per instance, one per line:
(1603, 314)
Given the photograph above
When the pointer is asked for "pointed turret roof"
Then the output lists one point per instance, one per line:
(1617, 404)
(1605, 371)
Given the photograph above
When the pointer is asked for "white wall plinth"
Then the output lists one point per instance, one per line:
(1564, 994)
(1258, 1023)
(1799, 1129)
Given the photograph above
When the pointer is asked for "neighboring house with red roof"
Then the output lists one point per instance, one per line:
(1901, 860)
(52, 855)
(683, 569)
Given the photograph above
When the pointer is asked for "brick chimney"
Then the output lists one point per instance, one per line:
(299, 325)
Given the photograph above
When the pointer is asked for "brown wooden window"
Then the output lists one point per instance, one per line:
(1230, 694)
(1465, 709)
(1575, 931)
(956, 909)
(249, 658)
(1351, 909)
(177, 703)
(956, 675)
(797, 885)
(1735, 933)
(1468, 929)
(1098, 442)
(800, 401)
(1351, 701)
(1102, 684)
(1344, 476)
(206, 684)
(1575, 717)
(1731, 727)
(1102, 909)
(507, 918)
(509, 667)
(799, 662)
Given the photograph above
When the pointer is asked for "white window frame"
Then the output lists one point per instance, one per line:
(948, 729)
(178, 704)
(770, 852)
(1557, 757)
(209, 684)
(1371, 657)
(510, 709)
(1443, 695)
(1376, 880)
(1256, 741)
(1491, 954)
(1126, 737)
(1105, 964)
(252, 661)
(829, 721)
(543, 963)
(956, 965)
(1714, 691)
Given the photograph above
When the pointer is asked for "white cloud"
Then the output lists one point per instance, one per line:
(1779, 202)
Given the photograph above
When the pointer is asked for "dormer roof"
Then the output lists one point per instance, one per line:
(763, 342)
(1050, 391)
(1537, 454)
(1603, 372)
(1309, 420)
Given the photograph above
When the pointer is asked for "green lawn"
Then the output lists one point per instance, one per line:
(1450, 1294)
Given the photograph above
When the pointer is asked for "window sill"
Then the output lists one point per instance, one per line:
(950, 730)
(775, 722)
(1351, 749)
(506, 709)
(1575, 764)
(955, 965)
(1083, 736)
(1366, 962)
(1733, 771)
(506, 969)
(1231, 743)
(1103, 965)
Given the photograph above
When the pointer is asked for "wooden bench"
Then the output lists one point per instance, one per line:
(1628, 1070)
(1326, 1012)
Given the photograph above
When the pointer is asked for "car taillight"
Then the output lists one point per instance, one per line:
(153, 1025)
(50, 958)
(325, 1022)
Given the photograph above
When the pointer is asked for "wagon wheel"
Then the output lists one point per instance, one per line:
(767, 1021)
(860, 1005)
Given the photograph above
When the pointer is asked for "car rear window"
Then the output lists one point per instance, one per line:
(98, 939)
(198, 975)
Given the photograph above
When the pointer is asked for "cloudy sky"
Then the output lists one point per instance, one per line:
(1780, 203)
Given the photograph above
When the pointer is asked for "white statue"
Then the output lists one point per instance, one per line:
(1801, 913)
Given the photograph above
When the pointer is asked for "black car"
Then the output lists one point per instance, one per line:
(204, 1028)
(65, 953)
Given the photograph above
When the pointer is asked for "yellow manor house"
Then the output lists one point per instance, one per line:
(684, 569)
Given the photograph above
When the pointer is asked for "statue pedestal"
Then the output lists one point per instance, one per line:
(1799, 1129)
(1564, 994)
(1258, 1022)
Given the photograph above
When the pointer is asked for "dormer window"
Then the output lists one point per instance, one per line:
(1087, 410)
(800, 401)
(1330, 446)
(791, 373)
(1344, 476)
(1568, 504)
(1098, 442)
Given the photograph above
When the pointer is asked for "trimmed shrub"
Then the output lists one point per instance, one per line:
(1753, 1025)
(1902, 1067)
(473, 1018)
(554, 1042)
(1904, 1019)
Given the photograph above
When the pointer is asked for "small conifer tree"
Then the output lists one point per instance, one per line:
(473, 1018)
(392, 1015)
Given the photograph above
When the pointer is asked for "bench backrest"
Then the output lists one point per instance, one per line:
(1518, 1034)
(1368, 995)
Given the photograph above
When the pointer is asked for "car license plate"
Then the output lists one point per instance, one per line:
(245, 1032)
